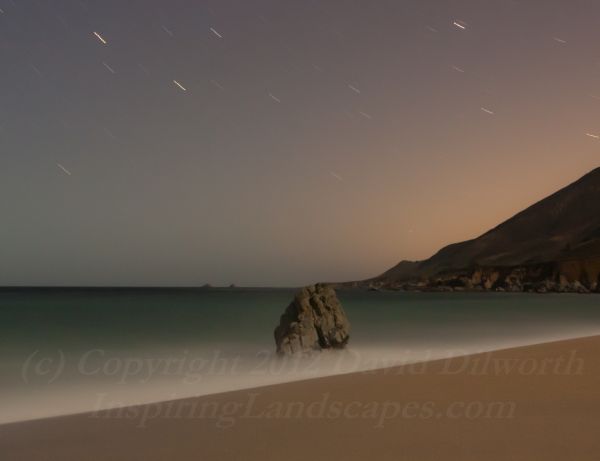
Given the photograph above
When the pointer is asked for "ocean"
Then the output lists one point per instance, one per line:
(66, 351)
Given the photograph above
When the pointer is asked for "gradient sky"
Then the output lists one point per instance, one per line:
(315, 140)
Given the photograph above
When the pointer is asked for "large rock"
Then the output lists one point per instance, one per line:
(314, 320)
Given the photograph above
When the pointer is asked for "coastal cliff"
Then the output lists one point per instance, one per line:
(552, 246)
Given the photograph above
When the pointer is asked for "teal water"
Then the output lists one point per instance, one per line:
(64, 351)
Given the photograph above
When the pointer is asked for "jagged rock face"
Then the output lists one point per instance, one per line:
(313, 321)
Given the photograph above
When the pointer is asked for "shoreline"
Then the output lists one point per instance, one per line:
(402, 415)
(447, 289)
(427, 414)
(457, 353)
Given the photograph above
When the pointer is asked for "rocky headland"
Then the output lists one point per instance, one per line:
(552, 246)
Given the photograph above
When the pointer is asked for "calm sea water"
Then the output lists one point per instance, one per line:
(66, 351)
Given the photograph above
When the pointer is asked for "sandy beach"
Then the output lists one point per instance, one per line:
(527, 403)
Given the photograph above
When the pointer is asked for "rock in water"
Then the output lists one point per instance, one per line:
(314, 320)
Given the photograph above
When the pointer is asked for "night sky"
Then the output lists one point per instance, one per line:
(277, 142)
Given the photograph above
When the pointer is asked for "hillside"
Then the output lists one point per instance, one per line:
(554, 245)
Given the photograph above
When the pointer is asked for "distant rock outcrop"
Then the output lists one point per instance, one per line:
(552, 246)
(313, 321)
